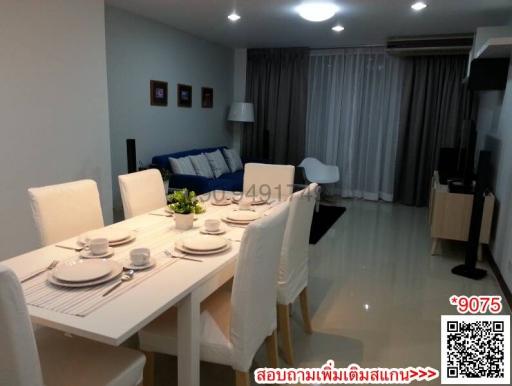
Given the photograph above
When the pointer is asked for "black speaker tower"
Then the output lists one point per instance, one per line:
(131, 155)
(468, 269)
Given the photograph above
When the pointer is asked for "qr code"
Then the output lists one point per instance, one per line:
(475, 349)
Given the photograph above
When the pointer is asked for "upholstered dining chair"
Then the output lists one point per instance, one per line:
(235, 322)
(293, 267)
(48, 357)
(274, 181)
(141, 192)
(66, 210)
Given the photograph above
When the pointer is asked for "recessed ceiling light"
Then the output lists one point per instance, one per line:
(317, 11)
(234, 17)
(418, 6)
(338, 28)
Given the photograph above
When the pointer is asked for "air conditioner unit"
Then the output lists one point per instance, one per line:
(430, 45)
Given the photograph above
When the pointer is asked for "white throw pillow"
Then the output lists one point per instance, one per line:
(217, 163)
(201, 165)
(182, 165)
(233, 159)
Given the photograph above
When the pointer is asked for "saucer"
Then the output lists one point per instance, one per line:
(220, 231)
(87, 254)
(127, 263)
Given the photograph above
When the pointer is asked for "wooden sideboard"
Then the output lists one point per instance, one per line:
(450, 215)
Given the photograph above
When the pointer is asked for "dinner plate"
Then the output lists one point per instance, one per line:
(179, 246)
(116, 270)
(220, 231)
(243, 215)
(126, 241)
(254, 200)
(127, 264)
(204, 243)
(228, 221)
(74, 271)
(87, 254)
(114, 235)
(225, 202)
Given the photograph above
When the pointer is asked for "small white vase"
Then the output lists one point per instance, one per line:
(184, 221)
(166, 187)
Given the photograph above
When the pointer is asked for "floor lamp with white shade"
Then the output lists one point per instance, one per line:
(240, 112)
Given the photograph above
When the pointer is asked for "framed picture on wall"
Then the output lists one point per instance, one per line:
(184, 95)
(158, 93)
(207, 97)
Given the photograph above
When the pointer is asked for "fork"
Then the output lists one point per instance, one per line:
(49, 268)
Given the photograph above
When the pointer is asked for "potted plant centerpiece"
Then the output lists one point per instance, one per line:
(185, 205)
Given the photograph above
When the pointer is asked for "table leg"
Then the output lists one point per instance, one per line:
(188, 341)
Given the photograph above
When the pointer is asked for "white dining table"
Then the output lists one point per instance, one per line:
(183, 284)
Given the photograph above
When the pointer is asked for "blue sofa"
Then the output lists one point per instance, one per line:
(199, 184)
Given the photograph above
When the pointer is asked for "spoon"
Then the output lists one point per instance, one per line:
(127, 276)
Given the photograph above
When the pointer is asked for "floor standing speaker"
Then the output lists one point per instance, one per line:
(131, 155)
(468, 269)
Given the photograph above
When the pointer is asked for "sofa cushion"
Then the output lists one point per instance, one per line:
(182, 165)
(201, 165)
(232, 181)
(233, 160)
(217, 163)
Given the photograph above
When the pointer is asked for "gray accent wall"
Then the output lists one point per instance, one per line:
(140, 50)
(53, 107)
(495, 133)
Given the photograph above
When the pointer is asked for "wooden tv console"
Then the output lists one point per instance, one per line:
(450, 215)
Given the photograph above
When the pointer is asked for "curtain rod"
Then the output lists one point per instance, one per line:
(319, 50)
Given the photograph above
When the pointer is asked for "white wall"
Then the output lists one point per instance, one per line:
(139, 50)
(53, 107)
(495, 133)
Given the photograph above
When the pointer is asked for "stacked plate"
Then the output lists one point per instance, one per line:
(84, 273)
(203, 245)
(241, 217)
(254, 200)
(115, 236)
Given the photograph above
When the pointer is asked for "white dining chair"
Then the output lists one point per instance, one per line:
(50, 358)
(235, 322)
(142, 192)
(316, 171)
(66, 210)
(272, 181)
(293, 267)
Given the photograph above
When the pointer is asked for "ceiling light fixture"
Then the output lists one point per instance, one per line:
(338, 28)
(234, 17)
(317, 11)
(418, 6)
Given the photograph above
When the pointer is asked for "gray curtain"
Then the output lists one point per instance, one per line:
(277, 85)
(432, 115)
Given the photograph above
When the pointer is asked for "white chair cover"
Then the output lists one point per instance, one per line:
(293, 268)
(234, 323)
(62, 360)
(19, 362)
(254, 294)
(66, 210)
(319, 172)
(275, 181)
(142, 192)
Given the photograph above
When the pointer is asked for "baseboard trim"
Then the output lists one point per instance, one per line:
(497, 273)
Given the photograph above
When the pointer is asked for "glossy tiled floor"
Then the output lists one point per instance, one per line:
(376, 294)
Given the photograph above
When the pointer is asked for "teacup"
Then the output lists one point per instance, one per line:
(244, 204)
(140, 256)
(98, 246)
(212, 225)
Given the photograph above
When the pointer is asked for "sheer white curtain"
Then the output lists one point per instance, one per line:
(353, 117)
